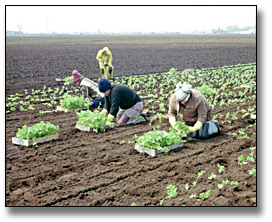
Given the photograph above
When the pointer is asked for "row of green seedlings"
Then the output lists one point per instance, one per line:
(47, 97)
(241, 133)
(241, 160)
(159, 97)
(225, 84)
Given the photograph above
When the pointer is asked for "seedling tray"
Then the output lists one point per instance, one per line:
(89, 129)
(59, 80)
(153, 152)
(84, 128)
(44, 139)
(61, 109)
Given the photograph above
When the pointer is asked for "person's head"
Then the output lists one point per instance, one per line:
(104, 86)
(76, 77)
(183, 92)
(105, 51)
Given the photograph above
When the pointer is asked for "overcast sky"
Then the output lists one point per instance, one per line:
(43, 19)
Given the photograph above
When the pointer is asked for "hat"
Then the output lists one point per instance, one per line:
(76, 76)
(183, 92)
(104, 85)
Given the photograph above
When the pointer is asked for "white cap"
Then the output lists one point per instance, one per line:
(183, 91)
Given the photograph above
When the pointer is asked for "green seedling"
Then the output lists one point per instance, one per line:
(212, 176)
(171, 192)
(226, 182)
(199, 174)
(252, 172)
(241, 160)
(205, 194)
(192, 196)
(221, 168)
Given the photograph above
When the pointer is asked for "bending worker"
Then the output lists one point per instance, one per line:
(196, 112)
(120, 96)
(89, 89)
(104, 57)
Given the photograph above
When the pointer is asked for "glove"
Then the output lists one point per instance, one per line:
(110, 118)
(172, 121)
(196, 127)
(104, 112)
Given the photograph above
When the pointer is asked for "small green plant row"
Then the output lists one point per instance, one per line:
(22, 102)
(172, 193)
(250, 158)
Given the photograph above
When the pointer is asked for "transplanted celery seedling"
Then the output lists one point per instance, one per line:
(212, 176)
(199, 174)
(205, 194)
(252, 172)
(221, 168)
(225, 182)
(171, 191)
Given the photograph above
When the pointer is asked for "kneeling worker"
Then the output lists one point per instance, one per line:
(120, 96)
(196, 112)
(89, 89)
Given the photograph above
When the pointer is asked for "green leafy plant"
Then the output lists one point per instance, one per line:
(159, 116)
(94, 120)
(226, 182)
(171, 192)
(241, 160)
(252, 172)
(182, 127)
(172, 70)
(212, 176)
(199, 174)
(206, 90)
(38, 130)
(221, 168)
(68, 79)
(205, 194)
(74, 102)
(158, 139)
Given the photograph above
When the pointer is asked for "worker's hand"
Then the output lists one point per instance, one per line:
(196, 127)
(104, 112)
(109, 123)
(110, 118)
(172, 121)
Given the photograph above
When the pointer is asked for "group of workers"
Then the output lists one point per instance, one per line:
(125, 105)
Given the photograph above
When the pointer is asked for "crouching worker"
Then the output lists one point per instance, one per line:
(195, 111)
(89, 89)
(121, 102)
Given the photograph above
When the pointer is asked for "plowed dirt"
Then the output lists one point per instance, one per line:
(88, 169)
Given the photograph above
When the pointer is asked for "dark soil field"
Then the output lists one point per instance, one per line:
(89, 169)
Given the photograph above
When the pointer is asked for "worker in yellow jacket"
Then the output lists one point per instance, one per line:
(104, 57)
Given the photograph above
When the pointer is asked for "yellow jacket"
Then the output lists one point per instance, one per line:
(104, 59)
